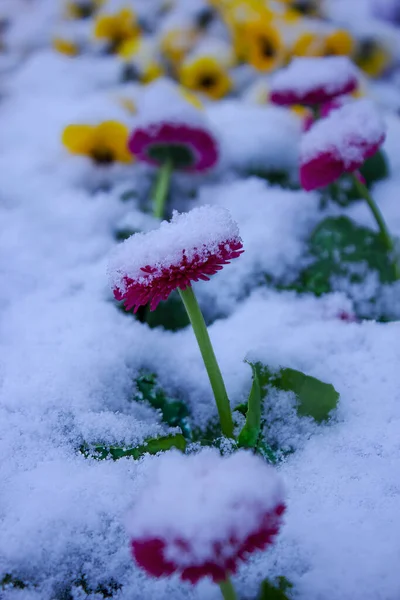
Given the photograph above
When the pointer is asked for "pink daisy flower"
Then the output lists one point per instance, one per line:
(340, 143)
(232, 506)
(147, 267)
(189, 148)
(313, 81)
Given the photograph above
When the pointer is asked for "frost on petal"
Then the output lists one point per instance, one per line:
(231, 507)
(147, 267)
(314, 80)
(340, 143)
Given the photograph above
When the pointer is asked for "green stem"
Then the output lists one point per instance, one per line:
(384, 231)
(161, 188)
(203, 339)
(227, 589)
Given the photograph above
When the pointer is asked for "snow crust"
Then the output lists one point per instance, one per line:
(303, 75)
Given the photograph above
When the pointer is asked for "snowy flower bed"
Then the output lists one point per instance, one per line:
(199, 358)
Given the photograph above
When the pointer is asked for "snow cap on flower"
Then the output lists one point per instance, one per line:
(340, 143)
(231, 506)
(147, 267)
(314, 80)
(170, 127)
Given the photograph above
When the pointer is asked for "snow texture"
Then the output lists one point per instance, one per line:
(347, 133)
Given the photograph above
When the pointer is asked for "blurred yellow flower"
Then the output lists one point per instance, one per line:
(82, 9)
(339, 42)
(118, 29)
(372, 57)
(205, 74)
(105, 143)
(65, 46)
(265, 50)
(308, 44)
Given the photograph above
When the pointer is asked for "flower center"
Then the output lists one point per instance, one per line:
(103, 156)
(207, 81)
(267, 48)
(85, 9)
(366, 50)
(305, 7)
(180, 155)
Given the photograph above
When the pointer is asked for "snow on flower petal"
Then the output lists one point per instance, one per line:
(340, 143)
(311, 80)
(147, 267)
(171, 128)
(232, 506)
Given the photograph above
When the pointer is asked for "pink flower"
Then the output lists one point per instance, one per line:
(190, 148)
(313, 81)
(146, 268)
(232, 506)
(340, 143)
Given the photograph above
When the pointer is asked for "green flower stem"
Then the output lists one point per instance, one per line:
(161, 188)
(203, 339)
(385, 235)
(227, 589)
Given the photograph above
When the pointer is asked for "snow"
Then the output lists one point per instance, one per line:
(224, 496)
(347, 133)
(198, 233)
(303, 75)
(69, 357)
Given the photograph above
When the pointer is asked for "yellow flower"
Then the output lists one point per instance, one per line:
(82, 9)
(65, 47)
(308, 44)
(176, 43)
(117, 28)
(339, 43)
(371, 57)
(152, 70)
(205, 74)
(265, 48)
(104, 143)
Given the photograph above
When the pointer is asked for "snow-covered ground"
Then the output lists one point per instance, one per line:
(69, 357)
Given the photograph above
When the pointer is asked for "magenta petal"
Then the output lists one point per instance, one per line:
(320, 171)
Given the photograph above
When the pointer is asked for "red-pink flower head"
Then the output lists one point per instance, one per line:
(313, 81)
(340, 143)
(147, 267)
(230, 507)
(168, 127)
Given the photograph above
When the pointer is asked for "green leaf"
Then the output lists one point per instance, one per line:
(13, 582)
(375, 168)
(339, 247)
(274, 590)
(169, 314)
(250, 433)
(273, 176)
(123, 234)
(315, 398)
(174, 412)
(151, 446)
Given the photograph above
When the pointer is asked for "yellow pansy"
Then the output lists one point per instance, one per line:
(339, 43)
(118, 28)
(241, 16)
(65, 47)
(82, 9)
(205, 74)
(372, 57)
(308, 44)
(176, 43)
(265, 48)
(105, 143)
